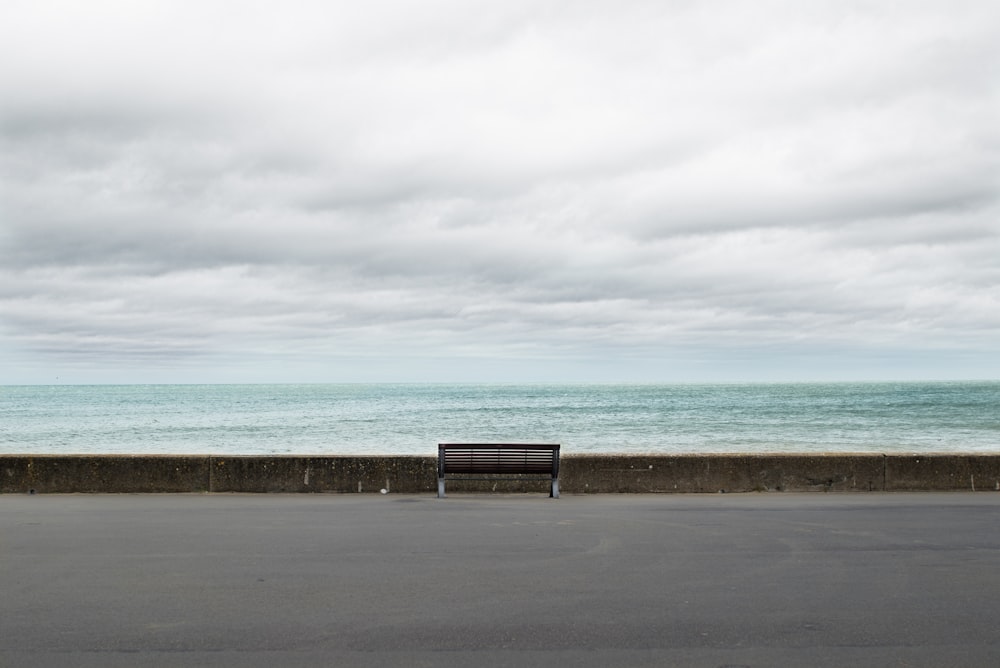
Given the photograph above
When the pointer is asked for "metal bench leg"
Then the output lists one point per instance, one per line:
(440, 488)
(555, 489)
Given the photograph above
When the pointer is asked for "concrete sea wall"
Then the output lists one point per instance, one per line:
(579, 474)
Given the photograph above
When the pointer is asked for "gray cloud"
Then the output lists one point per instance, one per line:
(564, 184)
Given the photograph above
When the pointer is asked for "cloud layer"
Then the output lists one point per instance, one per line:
(450, 190)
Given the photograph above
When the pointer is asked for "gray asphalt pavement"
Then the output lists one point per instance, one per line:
(373, 580)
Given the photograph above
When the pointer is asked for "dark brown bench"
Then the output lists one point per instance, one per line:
(488, 459)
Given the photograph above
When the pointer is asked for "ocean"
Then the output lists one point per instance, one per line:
(352, 419)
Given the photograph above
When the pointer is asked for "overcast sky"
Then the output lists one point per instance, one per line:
(444, 190)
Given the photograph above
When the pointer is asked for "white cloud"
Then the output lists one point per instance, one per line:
(561, 186)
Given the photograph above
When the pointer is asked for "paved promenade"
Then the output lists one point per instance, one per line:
(372, 580)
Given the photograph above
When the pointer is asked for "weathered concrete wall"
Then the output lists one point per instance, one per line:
(580, 474)
(943, 472)
(410, 475)
(104, 473)
(723, 473)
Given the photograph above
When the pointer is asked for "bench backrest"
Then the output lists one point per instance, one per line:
(498, 458)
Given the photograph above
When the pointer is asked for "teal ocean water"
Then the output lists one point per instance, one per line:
(413, 418)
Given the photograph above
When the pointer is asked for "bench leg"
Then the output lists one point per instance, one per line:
(440, 488)
(554, 493)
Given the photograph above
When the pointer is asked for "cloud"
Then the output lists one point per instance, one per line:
(574, 182)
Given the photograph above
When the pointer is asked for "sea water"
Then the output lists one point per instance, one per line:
(413, 418)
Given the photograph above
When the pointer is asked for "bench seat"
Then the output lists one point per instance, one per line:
(482, 459)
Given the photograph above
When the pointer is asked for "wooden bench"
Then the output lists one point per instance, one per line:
(485, 459)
